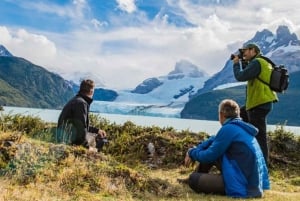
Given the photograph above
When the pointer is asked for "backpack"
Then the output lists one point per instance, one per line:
(279, 80)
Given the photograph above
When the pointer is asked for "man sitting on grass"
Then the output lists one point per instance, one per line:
(235, 152)
(73, 125)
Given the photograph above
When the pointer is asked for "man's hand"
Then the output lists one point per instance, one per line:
(236, 59)
(102, 133)
(187, 160)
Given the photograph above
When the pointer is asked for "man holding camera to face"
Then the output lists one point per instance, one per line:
(250, 66)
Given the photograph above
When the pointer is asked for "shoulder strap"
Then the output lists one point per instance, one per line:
(270, 62)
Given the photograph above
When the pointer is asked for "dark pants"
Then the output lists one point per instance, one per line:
(201, 181)
(258, 118)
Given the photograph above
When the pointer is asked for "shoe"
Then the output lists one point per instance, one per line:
(183, 181)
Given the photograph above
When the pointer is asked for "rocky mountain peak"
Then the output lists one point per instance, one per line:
(4, 52)
(269, 42)
(284, 37)
(185, 68)
(184, 72)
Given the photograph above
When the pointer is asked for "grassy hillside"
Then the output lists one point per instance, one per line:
(286, 110)
(28, 85)
(9, 94)
(34, 167)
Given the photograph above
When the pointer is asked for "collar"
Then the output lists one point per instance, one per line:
(86, 98)
(230, 119)
(226, 121)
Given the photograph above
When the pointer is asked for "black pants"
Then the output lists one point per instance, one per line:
(201, 181)
(258, 118)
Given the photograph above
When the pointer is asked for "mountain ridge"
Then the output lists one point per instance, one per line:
(37, 86)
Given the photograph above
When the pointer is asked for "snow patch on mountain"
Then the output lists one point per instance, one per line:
(127, 108)
(229, 85)
(161, 96)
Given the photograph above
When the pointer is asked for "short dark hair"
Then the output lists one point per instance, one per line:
(86, 86)
(229, 108)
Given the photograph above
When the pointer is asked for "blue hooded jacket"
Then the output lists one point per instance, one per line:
(244, 170)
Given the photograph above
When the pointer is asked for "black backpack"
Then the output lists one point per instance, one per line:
(279, 80)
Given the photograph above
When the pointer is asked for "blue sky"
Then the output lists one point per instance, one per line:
(119, 43)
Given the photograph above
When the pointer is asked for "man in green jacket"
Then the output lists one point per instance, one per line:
(259, 96)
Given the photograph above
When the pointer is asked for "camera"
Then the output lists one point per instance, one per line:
(240, 55)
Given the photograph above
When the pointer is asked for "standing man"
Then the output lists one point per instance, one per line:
(259, 96)
(73, 122)
(235, 152)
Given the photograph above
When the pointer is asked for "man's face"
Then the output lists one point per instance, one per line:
(221, 118)
(91, 94)
(248, 54)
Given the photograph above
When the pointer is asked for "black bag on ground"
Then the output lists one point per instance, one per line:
(279, 80)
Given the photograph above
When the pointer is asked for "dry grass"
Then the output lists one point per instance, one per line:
(51, 191)
(33, 167)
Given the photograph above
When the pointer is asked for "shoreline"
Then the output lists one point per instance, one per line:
(193, 125)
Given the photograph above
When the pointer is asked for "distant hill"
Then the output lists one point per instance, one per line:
(27, 85)
(205, 106)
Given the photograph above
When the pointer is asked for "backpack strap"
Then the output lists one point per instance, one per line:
(270, 62)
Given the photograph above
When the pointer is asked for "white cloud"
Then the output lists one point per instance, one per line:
(124, 57)
(127, 5)
(36, 48)
(5, 36)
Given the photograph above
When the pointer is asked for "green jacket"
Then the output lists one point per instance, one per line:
(257, 92)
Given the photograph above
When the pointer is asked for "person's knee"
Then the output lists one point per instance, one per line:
(207, 183)
(194, 181)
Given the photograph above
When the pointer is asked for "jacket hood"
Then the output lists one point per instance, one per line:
(249, 128)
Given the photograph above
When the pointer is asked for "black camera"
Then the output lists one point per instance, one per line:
(240, 55)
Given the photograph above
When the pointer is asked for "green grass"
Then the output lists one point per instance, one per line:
(34, 167)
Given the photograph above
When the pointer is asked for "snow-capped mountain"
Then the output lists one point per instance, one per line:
(166, 95)
(282, 48)
(160, 96)
(4, 52)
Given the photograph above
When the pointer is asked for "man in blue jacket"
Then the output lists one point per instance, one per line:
(235, 152)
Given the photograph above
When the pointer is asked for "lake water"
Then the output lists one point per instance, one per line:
(210, 127)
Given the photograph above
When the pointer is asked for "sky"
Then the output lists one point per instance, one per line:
(120, 43)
